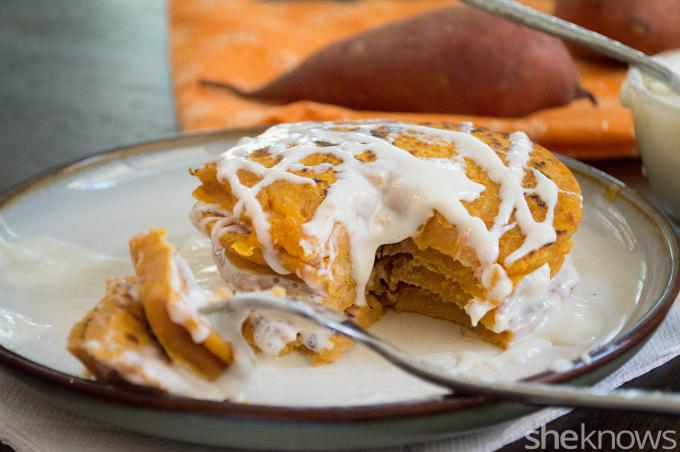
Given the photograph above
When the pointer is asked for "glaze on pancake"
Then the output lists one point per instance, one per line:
(336, 210)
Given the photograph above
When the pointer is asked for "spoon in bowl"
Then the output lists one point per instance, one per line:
(524, 392)
(531, 18)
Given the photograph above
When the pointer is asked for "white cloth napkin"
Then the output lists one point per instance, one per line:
(29, 424)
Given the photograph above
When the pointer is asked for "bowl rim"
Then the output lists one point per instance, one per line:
(143, 398)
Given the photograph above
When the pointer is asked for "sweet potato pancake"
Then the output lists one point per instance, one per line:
(439, 219)
(151, 315)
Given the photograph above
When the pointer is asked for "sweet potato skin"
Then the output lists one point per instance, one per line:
(450, 60)
(651, 26)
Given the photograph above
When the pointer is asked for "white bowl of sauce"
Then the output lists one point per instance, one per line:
(656, 112)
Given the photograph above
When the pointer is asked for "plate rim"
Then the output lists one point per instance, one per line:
(140, 397)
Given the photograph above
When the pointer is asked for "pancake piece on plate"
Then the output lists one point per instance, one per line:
(147, 329)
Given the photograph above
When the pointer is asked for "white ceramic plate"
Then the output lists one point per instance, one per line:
(66, 232)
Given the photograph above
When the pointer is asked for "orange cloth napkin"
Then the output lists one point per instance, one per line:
(249, 42)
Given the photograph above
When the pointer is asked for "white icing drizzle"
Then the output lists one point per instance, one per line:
(272, 335)
(148, 367)
(525, 310)
(529, 301)
(190, 298)
(272, 331)
(466, 127)
(388, 199)
(203, 214)
(476, 309)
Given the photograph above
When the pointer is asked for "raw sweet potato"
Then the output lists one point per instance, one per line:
(651, 26)
(450, 60)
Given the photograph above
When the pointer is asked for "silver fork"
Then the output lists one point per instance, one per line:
(524, 392)
(529, 17)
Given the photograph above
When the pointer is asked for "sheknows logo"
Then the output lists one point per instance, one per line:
(543, 439)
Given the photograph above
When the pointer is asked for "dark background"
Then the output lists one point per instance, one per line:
(81, 76)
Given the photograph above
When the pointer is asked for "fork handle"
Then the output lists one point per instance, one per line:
(525, 392)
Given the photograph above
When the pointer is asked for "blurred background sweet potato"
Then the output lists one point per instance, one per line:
(450, 60)
(250, 44)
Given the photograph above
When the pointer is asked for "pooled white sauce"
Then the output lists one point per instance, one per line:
(39, 330)
(52, 259)
(561, 365)
(526, 309)
(386, 200)
(148, 365)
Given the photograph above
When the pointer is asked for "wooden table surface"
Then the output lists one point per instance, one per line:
(79, 76)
